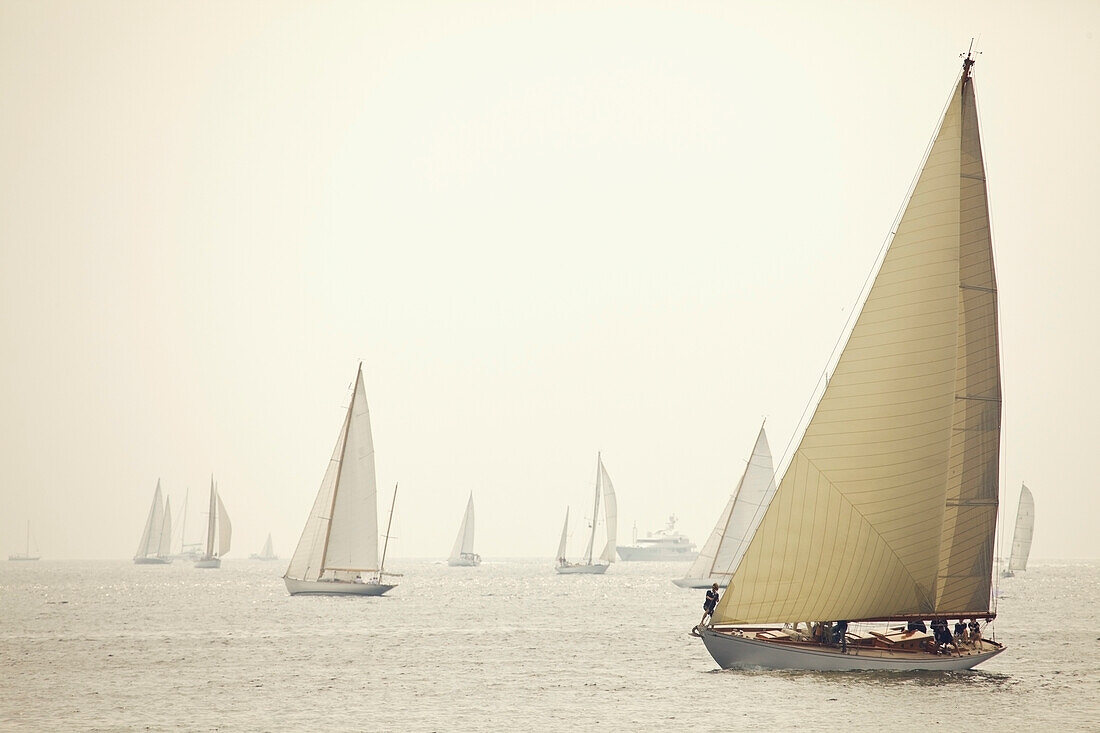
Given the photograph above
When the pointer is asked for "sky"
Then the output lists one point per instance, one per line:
(546, 229)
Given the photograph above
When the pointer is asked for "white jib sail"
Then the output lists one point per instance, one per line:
(268, 551)
(564, 536)
(164, 548)
(464, 542)
(1025, 526)
(150, 536)
(225, 529)
(587, 560)
(726, 545)
(610, 511)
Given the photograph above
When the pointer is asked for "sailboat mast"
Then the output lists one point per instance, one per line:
(210, 521)
(340, 470)
(595, 513)
(389, 523)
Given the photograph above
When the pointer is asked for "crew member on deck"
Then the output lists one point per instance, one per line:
(710, 603)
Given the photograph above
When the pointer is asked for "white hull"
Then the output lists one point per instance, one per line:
(464, 563)
(213, 562)
(656, 554)
(21, 558)
(586, 569)
(334, 588)
(699, 583)
(738, 652)
(152, 560)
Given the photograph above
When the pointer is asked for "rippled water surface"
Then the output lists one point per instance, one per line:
(507, 646)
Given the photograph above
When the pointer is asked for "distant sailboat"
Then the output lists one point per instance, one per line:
(268, 553)
(338, 551)
(462, 554)
(26, 554)
(590, 564)
(1021, 536)
(156, 538)
(887, 509)
(722, 553)
(188, 550)
(218, 528)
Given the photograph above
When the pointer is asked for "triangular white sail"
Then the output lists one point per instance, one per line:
(340, 539)
(564, 537)
(610, 511)
(268, 550)
(164, 548)
(587, 560)
(464, 542)
(150, 536)
(887, 507)
(1021, 536)
(726, 545)
(225, 529)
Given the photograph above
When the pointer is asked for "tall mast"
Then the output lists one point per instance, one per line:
(595, 514)
(386, 544)
(340, 470)
(210, 521)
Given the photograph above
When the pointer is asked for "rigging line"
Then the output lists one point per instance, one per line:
(856, 309)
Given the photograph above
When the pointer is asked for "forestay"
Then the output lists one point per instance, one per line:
(887, 507)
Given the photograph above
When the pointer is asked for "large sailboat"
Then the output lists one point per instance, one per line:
(267, 553)
(887, 509)
(25, 555)
(589, 563)
(1021, 535)
(219, 531)
(156, 538)
(726, 545)
(338, 551)
(462, 554)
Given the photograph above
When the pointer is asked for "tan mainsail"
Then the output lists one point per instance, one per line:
(887, 506)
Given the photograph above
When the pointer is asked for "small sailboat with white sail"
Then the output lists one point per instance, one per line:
(590, 564)
(462, 554)
(25, 555)
(1021, 535)
(886, 511)
(219, 532)
(338, 551)
(156, 539)
(188, 550)
(726, 545)
(267, 553)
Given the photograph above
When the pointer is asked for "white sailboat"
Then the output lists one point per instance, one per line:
(886, 511)
(26, 554)
(726, 545)
(462, 554)
(1021, 535)
(338, 551)
(590, 564)
(267, 553)
(218, 527)
(156, 538)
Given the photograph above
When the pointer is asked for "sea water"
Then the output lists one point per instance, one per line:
(510, 645)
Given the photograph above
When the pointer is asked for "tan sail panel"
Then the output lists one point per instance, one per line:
(857, 526)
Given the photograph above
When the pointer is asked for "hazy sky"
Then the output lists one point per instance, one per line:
(546, 229)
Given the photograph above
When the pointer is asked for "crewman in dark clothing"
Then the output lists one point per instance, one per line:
(710, 603)
(840, 635)
(960, 632)
(917, 626)
(975, 633)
